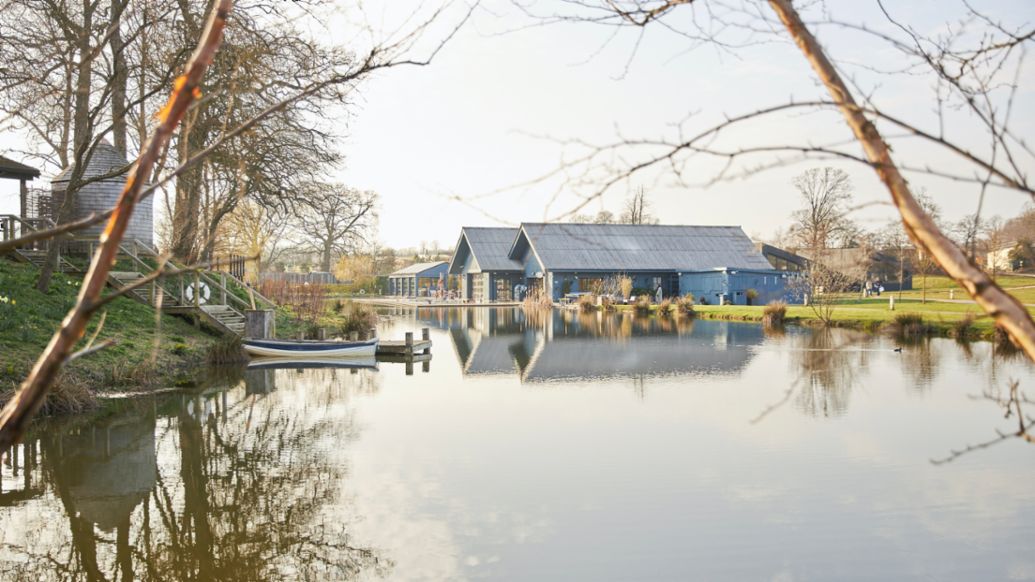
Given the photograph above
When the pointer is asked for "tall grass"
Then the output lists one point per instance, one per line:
(685, 306)
(774, 313)
(909, 326)
(642, 305)
(537, 301)
(665, 308)
(587, 303)
(226, 351)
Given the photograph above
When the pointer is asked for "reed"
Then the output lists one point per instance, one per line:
(774, 314)
(587, 303)
(665, 308)
(642, 305)
(685, 306)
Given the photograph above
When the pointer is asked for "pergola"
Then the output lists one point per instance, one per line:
(13, 170)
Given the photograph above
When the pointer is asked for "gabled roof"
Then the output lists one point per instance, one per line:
(17, 170)
(417, 269)
(639, 247)
(104, 160)
(490, 247)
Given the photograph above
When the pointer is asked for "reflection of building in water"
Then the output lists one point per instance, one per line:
(108, 470)
(564, 347)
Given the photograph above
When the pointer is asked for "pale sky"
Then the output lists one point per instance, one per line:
(465, 125)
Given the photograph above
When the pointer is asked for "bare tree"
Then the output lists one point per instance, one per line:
(637, 210)
(823, 217)
(979, 79)
(335, 220)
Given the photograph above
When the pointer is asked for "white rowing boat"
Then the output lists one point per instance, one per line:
(270, 348)
(295, 363)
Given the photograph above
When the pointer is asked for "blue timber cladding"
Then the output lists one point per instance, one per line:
(482, 263)
(717, 263)
(418, 280)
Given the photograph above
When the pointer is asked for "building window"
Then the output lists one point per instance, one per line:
(655, 282)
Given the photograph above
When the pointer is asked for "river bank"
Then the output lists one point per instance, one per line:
(956, 320)
(148, 350)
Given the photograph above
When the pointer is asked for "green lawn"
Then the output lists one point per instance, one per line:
(28, 319)
(1023, 288)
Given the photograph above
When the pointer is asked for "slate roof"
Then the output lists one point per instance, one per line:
(490, 246)
(17, 170)
(416, 269)
(634, 247)
(105, 158)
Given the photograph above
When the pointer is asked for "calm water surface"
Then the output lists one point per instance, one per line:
(557, 448)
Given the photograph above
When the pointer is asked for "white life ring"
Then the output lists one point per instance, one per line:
(203, 293)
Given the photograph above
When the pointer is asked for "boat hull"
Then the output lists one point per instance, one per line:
(309, 349)
(306, 363)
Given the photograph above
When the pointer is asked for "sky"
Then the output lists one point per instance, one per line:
(463, 140)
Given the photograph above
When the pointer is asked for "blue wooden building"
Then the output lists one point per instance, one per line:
(482, 264)
(715, 264)
(418, 280)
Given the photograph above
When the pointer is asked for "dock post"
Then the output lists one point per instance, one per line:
(409, 367)
(409, 343)
(321, 334)
(258, 323)
(373, 333)
(353, 336)
(425, 335)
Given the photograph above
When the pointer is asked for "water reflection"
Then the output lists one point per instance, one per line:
(542, 464)
(233, 484)
(566, 346)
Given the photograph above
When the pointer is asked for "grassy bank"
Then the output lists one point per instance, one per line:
(146, 352)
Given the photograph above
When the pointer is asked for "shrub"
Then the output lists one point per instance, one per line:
(180, 349)
(587, 303)
(360, 320)
(607, 304)
(665, 308)
(685, 305)
(774, 314)
(642, 305)
(702, 300)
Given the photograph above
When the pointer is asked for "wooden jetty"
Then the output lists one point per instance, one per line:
(407, 348)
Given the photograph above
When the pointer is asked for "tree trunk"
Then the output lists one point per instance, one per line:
(81, 138)
(328, 247)
(120, 76)
(1008, 313)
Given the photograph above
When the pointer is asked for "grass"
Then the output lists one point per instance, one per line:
(29, 318)
(1023, 288)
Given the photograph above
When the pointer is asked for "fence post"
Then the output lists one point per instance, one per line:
(222, 282)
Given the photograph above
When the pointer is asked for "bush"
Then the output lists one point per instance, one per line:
(360, 320)
(638, 292)
(685, 305)
(642, 305)
(587, 303)
(607, 304)
(774, 314)
(702, 300)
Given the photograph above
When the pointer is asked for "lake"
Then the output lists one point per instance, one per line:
(553, 447)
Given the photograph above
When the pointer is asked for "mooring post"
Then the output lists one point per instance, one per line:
(409, 367)
(425, 335)
(891, 303)
(321, 334)
(372, 332)
(353, 336)
(409, 346)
